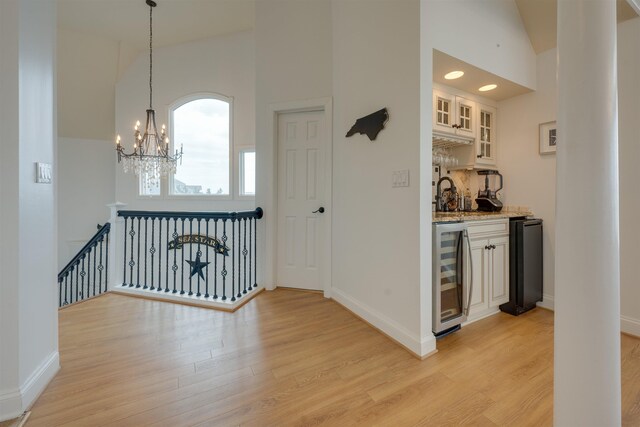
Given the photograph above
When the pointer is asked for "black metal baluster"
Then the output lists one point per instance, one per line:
(199, 253)
(132, 263)
(138, 263)
(215, 261)
(77, 278)
(244, 254)
(152, 250)
(95, 252)
(124, 267)
(146, 233)
(83, 274)
(166, 284)
(251, 220)
(66, 289)
(159, 255)
(182, 264)
(233, 259)
(100, 268)
(190, 254)
(206, 277)
(175, 265)
(239, 252)
(255, 252)
(59, 292)
(106, 265)
(223, 273)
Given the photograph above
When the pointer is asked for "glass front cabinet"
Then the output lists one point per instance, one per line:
(472, 122)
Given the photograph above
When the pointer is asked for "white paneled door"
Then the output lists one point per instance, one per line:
(301, 194)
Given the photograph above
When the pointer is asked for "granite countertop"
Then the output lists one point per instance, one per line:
(478, 216)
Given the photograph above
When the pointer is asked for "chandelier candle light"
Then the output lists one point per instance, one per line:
(150, 155)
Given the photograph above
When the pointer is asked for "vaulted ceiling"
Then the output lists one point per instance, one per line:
(179, 21)
(174, 21)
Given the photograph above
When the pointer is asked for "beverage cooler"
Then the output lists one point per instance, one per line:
(451, 250)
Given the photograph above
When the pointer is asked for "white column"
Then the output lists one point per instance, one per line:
(587, 297)
(116, 242)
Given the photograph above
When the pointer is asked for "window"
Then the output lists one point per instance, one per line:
(247, 172)
(203, 128)
(202, 124)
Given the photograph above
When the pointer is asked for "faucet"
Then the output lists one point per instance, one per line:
(440, 206)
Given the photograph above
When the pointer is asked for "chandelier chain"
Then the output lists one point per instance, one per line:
(150, 57)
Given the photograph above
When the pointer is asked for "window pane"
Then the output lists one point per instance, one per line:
(248, 171)
(202, 127)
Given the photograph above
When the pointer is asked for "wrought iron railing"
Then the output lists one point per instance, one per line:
(212, 255)
(86, 275)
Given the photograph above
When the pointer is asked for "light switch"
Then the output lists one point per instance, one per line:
(400, 178)
(43, 173)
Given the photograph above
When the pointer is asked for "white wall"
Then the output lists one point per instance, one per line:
(293, 63)
(376, 246)
(530, 178)
(87, 72)
(223, 65)
(30, 357)
(10, 399)
(629, 151)
(86, 184)
(488, 34)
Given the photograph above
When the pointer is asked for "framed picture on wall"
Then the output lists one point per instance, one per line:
(548, 138)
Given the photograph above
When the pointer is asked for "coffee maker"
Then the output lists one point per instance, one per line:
(487, 199)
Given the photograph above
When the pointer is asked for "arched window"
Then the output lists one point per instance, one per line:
(202, 125)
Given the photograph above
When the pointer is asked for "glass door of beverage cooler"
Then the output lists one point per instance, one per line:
(448, 274)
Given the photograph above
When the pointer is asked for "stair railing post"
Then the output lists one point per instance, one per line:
(116, 275)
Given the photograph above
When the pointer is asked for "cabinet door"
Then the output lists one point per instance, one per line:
(444, 116)
(499, 271)
(486, 144)
(465, 117)
(479, 272)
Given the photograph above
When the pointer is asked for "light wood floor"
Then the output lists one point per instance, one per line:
(295, 358)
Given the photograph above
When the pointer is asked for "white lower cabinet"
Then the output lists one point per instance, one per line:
(489, 241)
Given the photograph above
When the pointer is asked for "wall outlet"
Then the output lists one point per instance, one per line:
(400, 178)
(43, 173)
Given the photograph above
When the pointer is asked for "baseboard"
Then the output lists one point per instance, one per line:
(39, 379)
(10, 405)
(14, 402)
(630, 326)
(547, 302)
(419, 347)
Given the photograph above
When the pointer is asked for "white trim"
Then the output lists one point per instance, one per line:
(10, 405)
(200, 301)
(14, 402)
(629, 325)
(547, 302)
(420, 347)
(270, 173)
(39, 379)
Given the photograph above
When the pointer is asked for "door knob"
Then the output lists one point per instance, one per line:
(320, 209)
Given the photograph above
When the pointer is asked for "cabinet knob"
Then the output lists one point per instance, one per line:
(487, 247)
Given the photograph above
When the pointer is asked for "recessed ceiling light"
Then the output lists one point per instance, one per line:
(454, 75)
(487, 87)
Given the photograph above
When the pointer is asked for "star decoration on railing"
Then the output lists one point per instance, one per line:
(197, 266)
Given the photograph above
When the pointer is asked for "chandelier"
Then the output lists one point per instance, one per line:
(150, 157)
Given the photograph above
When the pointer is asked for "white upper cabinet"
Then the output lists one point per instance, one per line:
(486, 145)
(472, 123)
(454, 115)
